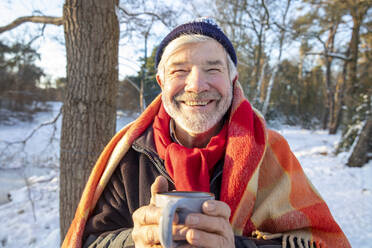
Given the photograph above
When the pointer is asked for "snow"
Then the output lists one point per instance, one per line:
(30, 217)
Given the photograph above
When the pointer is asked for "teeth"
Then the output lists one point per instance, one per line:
(196, 103)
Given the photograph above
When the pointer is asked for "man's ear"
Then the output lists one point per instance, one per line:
(160, 83)
(235, 78)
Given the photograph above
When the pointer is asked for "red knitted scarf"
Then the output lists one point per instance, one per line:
(190, 168)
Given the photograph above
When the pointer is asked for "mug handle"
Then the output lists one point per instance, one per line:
(166, 222)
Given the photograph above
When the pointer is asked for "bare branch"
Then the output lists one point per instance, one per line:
(24, 141)
(334, 55)
(283, 29)
(243, 64)
(132, 83)
(143, 13)
(266, 12)
(284, 17)
(37, 36)
(317, 36)
(252, 22)
(35, 19)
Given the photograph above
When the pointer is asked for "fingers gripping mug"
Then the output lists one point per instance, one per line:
(182, 202)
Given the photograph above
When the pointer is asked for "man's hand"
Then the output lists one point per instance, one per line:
(209, 229)
(212, 228)
(146, 219)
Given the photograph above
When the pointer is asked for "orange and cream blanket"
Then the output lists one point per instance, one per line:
(262, 182)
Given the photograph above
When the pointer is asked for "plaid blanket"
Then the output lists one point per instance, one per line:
(262, 182)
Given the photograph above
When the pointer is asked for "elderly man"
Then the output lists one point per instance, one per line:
(201, 134)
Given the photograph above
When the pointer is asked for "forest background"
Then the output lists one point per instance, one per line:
(301, 62)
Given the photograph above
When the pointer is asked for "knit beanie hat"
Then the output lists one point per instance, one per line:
(203, 26)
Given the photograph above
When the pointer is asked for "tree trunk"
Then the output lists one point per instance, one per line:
(339, 99)
(352, 83)
(92, 38)
(358, 9)
(141, 94)
(334, 123)
(359, 154)
(269, 89)
(325, 118)
(257, 98)
(276, 67)
(329, 91)
(144, 75)
(258, 61)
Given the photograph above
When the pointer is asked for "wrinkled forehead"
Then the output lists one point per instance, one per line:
(205, 52)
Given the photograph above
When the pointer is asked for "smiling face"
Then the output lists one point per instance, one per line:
(196, 89)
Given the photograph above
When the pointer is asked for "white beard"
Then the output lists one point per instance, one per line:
(199, 122)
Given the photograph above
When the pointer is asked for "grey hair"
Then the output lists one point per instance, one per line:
(175, 45)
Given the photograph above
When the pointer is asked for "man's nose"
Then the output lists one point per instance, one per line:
(196, 81)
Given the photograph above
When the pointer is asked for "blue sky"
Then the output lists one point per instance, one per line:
(50, 46)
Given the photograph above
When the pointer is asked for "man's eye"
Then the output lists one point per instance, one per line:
(213, 70)
(178, 72)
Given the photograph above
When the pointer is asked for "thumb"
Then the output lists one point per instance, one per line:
(160, 185)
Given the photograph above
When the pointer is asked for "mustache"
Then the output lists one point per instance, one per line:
(191, 96)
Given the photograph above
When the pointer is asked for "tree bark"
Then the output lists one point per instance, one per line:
(335, 116)
(330, 91)
(352, 84)
(325, 118)
(92, 38)
(359, 154)
(339, 99)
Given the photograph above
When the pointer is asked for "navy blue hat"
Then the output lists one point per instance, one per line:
(204, 26)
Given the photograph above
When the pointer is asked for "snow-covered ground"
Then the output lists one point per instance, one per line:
(29, 215)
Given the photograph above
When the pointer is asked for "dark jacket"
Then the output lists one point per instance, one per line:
(111, 222)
